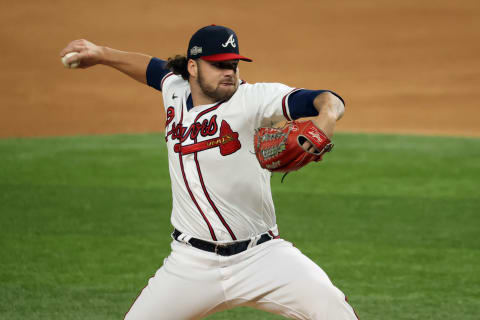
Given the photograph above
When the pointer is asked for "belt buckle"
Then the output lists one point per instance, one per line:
(220, 245)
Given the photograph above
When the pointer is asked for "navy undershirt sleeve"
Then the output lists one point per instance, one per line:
(156, 70)
(300, 103)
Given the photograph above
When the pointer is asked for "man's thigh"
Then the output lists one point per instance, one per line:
(185, 287)
(284, 281)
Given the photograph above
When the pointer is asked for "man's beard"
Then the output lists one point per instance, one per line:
(216, 93)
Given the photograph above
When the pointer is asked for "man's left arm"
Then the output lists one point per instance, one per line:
(293, 146)
(330, 109)
(323, 107)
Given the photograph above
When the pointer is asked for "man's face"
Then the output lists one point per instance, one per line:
(218, 80)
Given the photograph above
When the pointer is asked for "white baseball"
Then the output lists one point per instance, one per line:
(72, 64)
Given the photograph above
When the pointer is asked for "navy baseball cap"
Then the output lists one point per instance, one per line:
(215, 43)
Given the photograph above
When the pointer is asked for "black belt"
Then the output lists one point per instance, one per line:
(222, 249)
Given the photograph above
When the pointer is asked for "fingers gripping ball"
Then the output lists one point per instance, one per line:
(280, 149)
(71, 65)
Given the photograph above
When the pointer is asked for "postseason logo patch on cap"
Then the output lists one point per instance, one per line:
(195, 51)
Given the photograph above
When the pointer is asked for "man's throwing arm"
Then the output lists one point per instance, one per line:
(89, 54)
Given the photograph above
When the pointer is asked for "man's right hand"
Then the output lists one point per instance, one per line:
(89, 54)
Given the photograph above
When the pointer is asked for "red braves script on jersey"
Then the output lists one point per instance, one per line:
(227, 141)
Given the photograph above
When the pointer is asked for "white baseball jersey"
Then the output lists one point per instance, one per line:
(220, 192)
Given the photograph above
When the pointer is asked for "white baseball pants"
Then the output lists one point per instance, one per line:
(274, 277)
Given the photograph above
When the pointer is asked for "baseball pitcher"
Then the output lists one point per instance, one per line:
(226, 247)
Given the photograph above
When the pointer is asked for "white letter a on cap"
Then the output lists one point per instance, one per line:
(231, 40)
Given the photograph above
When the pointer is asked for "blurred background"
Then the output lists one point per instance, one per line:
(392, 218)
(402, 66)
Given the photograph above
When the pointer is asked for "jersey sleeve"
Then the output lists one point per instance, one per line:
(157, 73)
(267, 103)
(300, 103)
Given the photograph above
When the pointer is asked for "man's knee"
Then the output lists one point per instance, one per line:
(322, 300)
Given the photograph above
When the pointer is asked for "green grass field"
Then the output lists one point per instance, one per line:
(393, 220)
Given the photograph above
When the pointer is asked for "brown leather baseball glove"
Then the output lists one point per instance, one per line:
(280, 149)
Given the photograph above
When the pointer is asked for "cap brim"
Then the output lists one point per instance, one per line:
(225, 56)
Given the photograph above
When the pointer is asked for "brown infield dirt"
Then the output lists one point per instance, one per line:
(402, 66)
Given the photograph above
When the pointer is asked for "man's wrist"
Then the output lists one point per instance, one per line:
(105, 54)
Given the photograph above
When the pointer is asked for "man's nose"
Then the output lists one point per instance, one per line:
(230, 71)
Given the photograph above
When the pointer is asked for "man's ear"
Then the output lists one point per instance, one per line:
(192, 67)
